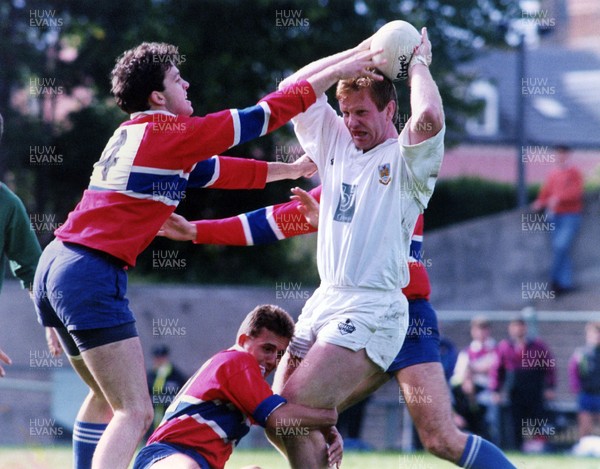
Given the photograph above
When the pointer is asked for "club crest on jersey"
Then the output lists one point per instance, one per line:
(384, 174)
(346, 327)
(345, 209)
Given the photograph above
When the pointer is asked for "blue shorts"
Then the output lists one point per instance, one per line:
(155, 452)
(422, 342)
(80, 288)
(589, 402)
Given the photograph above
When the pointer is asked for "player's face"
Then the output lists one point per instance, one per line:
(267, 347)
(175, 93)
(367, 125)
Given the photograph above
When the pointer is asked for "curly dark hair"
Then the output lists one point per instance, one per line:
(270, 317)
(140, 71)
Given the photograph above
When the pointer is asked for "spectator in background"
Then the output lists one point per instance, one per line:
(584, 378)
(525, 371)
(471, 379)
(561, 197)
(165, 380)
(17, 242)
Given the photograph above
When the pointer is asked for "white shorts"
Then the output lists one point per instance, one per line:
(374, 320)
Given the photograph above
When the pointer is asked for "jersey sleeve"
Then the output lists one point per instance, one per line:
(248, 391)
(21, 245)
(225, 172)
(262, 226)
(424, 161)
(215, 133)
(318, 130)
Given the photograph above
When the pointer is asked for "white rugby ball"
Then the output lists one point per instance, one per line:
(398, 40)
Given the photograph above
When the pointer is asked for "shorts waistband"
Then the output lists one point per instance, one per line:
(104, 255)
(349, 289)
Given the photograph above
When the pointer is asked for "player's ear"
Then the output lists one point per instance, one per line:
(391, 109)
(241, 340)
(156, 98)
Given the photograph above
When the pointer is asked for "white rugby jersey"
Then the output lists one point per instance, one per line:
(370, 201)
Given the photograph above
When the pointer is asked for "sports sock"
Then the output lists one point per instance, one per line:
(481, 454)
(85, 439)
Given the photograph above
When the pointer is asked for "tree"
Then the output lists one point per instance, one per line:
(234, 52)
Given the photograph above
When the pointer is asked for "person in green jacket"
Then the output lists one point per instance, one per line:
(17, 242)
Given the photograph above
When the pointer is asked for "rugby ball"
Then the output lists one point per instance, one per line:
(398, 40)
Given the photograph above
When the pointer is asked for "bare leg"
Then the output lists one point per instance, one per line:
(95, 408)
(364, 389)
(327, 377)
(428, 400)
(585, 423)
(118, 368)
(180, 461)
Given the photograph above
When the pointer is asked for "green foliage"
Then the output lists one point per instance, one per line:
(234, 52)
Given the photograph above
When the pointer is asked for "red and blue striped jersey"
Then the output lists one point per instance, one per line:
(144, 169)
(216, 407)
(281, 221)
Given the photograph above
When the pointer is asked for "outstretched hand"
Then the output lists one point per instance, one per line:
(6, 359)
(178, 228)
(359, 64)
(309, 207)
(306, 167)
(335, 447)
(422, 53)
(54, 345)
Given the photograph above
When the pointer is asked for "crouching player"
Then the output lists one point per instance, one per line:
(213, 410)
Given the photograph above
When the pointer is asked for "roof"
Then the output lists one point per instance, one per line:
(560, 88)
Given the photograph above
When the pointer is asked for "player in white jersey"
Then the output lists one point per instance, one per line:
(375, 183)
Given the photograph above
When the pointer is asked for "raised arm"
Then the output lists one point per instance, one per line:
(325, 72)
(427, 112)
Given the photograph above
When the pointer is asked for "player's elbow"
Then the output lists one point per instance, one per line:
(429, 120)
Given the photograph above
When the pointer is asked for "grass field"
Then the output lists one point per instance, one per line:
(60, 458)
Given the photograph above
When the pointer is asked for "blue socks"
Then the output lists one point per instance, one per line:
(85, 439)
(481, 454)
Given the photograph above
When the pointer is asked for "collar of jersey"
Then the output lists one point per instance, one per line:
(135, 115)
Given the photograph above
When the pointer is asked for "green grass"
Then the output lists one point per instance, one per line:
(60, 458)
